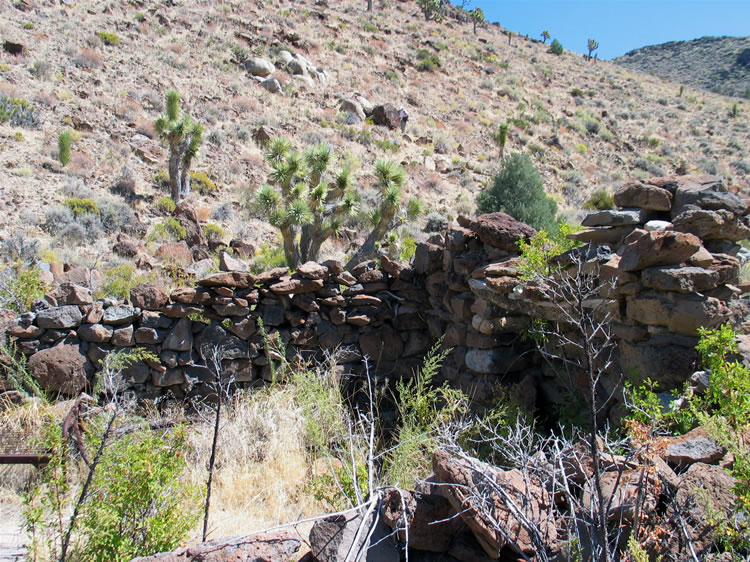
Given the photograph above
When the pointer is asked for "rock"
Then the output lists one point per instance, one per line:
(680, 313)
(657, 226)
(98, 333)
(68, 293)
(149, 336)
(201, 268)
(61, 369)
(272, 85)
(126, 246)
(708, 193)
(228, 263)
(24, 331)
(237, 279)
(659, 248)
(498, 361)
(680, 279)
(149, 296)
(271, 275)
(171, 376)
(188, 295)
(386, 115)
(312, 270)
(243, 249)
(119, 314)
(189, 219)
(621, 217)
(727, 267)
(60, 317)
(175, 252)
(622, 494)
(463, 482)
(338, 537)
(353, 107)
(268, 546)
(695, 446)
(643, 196)
(611, 235)
(243, 329)
(383, 344)
(262, 135)
(669, 364)
(257, 66)
(296, 286)
(711, 225)
(180, 337)
(429, 518)
(500, 230)
(701, 258)
(123, 337)
(428, 258)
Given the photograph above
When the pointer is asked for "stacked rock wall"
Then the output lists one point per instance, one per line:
(668, 260)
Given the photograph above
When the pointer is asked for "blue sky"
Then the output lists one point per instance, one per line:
(619, 25)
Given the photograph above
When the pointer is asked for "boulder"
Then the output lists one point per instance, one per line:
(123, 337)
(711, 225)
(657, 226)
(705, 192)
(237, 279)
(176, 252)
(201, 268)
(119, 314)
(180, 337)
(611, 235)
(428, 258)
(312, 270)
(61, 369)
(659, 248)
(296, 286)
(267, 546)
(352, 537)
(695, 446)
(668, 364)
(386, 115)
(382, 344)
(69, 293)
(58, 318)
(243, 249)
(680, 279)
(126, 246)
(500, 230)
(149, 296)
(98, 333)
(229, 263)
(272, 85)
(621, 217)
(257, 66)
(643, 196)
(189, 219)
(353, 108)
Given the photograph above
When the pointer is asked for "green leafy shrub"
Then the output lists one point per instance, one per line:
(267, 257)
(518, 190)
(202, 183)
(20, 286)
(555, 48)
(537, 252)
(120, 279)
(213, 232)
(80, 206)
(169, 229)
(165, 205)
(64, 140)
(18, 112)
(161, 178)
(428, 61)
(108, 38)
(600, 200)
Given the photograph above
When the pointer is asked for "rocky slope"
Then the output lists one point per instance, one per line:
(587, 125)
(717, 64)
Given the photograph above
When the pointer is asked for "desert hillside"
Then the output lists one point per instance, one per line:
(717, 64)
(101, 71)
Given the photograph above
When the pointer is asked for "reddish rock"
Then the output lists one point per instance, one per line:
(643, 196)
(359, 320)
(728, 268)
(68, 293)
(189, 219)
(175, 252)
(500, 230)
(659, 248)
(428, 258)
(126, 246)
(243, 249)
(61, 369)
(712, 225)
(346, 278)
(296, 286)
(189, 295)
(383, 344)
(123, 337)
(271, 275)
(386, 115)
(312, 270)
(149, 296)
(695, 446)
(239, 279)
(390, 266)
(229, 263)
(335, 267)
(98, 333)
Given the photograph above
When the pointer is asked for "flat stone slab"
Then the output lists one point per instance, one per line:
(621, 217)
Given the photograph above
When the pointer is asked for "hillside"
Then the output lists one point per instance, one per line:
(717, 64)
(587, 125)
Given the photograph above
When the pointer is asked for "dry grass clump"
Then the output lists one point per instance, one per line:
(262, 465)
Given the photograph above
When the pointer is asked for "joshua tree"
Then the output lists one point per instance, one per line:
(183, 136)
(369, 5)
(500, 136)
(510, 37)
(309, 204)
(477, 17)
(391, 178)
(593, 46)
(545, 36)
(431, 8)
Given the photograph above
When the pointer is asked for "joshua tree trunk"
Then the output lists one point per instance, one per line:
(290, 249)
(377, 234)
(175, 180)
(369, 5)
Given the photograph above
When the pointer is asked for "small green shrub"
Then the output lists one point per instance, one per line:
(387, 145)
(169, 229)
(108, 38)
(555, 48)
(267, 257)
(161, 179)
(64, 140)
(20, 286)
(18, 112)
(600, 200)
(80, 206)
(165, 205)
(213, 232)
(577, 93)
(28, 25)
(202, 183)
(370, 28)
(120, 279)
(428, 61)
(18, 136)
(537, 252)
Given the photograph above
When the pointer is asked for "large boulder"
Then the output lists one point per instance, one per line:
(271, 545)
(501, 231)
(61, 369)
(659, 248)
(695, 446)
(149, 296)
(386, 115)
(59, 318)
(680, 279)
(705, 192)
(643, 196)
(69, 293)
(352, 536)
(189, 219)
(711, 225)
(353, 107)
(258, 66)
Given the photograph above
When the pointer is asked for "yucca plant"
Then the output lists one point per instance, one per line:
(477, 18)
(500, 137)
(545, 36)
(184, 137)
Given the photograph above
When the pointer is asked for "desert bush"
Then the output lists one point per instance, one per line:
(18, 112)
(64, 141)
(165, 205)
(108, 38)
(213, 232)
(79, 206)
(428, 61)
(223, 212)
(537, 252)
(19, 249)
(120, 279)
(20, 286)
(600, 200)
(555, 48)
(435, 222)
(115, 215)
(267, 257)
(519, 191)
(203, 184)
(168, 229)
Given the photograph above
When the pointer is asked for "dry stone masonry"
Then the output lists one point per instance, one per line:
(669, 255)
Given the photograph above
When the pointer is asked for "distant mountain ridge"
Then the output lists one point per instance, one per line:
(717, 64)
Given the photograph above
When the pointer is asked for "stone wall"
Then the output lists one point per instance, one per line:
(668, 255)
